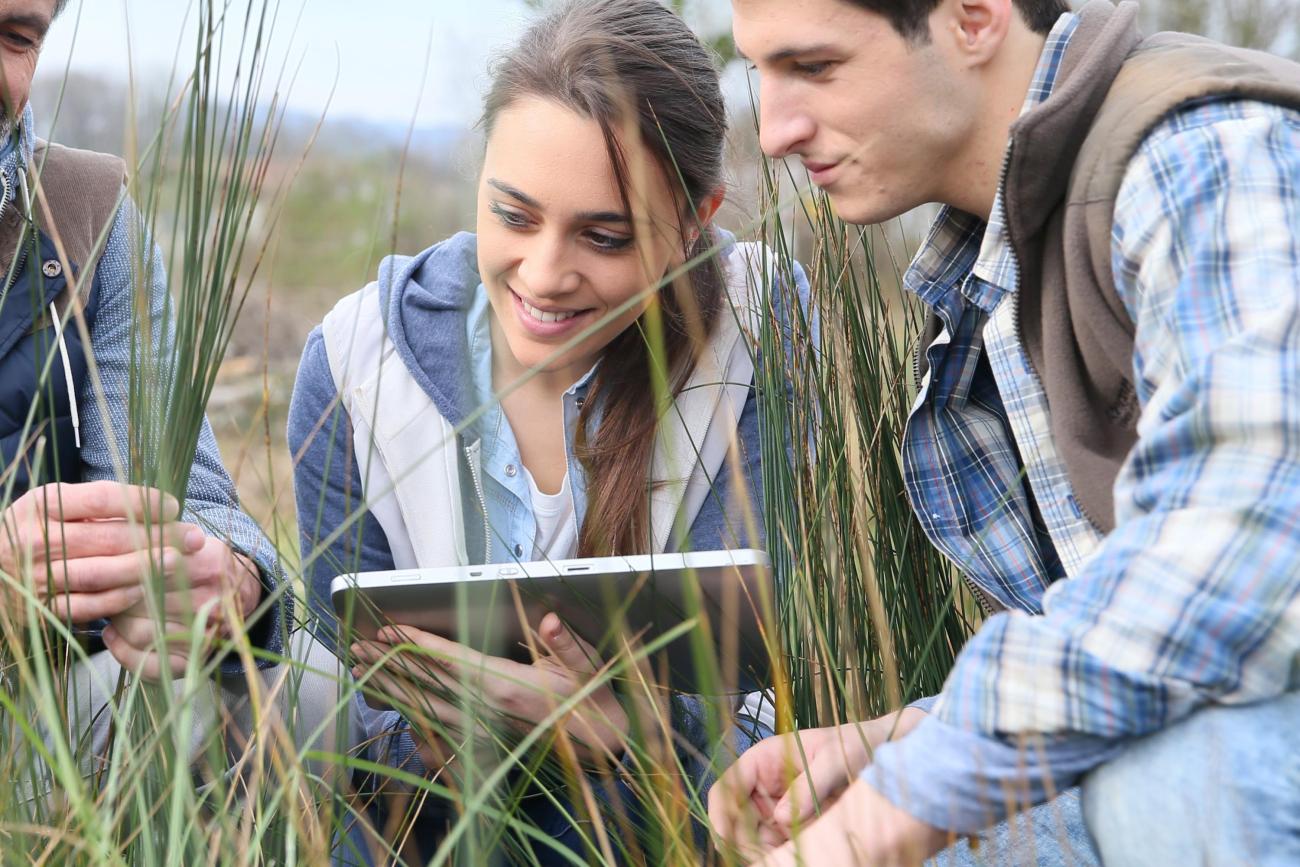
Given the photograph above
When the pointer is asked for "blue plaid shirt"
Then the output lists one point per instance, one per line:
(1194, 598)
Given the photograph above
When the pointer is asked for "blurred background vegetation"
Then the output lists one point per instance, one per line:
(344, 212)
(847, 543)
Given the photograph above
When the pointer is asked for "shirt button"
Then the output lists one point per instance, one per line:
(579, 402)
(511, 471)
(51, 268)
(519, 550)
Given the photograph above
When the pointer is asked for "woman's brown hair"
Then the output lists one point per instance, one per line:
(636, 69)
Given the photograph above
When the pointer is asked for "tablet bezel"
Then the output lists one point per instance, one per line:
(404, 596)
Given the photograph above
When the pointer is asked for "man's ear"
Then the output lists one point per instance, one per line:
(974, 29)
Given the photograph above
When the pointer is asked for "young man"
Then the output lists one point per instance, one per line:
(1107, 442)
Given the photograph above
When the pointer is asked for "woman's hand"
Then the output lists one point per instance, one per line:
(433, 679)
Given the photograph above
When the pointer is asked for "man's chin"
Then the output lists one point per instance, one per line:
(861, 212)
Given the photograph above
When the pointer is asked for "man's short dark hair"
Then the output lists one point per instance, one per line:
(911, 18)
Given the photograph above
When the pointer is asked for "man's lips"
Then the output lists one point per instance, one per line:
(820, 173)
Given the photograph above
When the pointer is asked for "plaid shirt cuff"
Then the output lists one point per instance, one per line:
(964, 782)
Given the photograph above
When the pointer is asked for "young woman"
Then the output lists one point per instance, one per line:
(601, 174)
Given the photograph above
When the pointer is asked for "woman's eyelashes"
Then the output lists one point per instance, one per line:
(508, 217)
(603, 242)
(609, 243)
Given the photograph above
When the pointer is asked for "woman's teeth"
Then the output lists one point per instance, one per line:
(543, 316)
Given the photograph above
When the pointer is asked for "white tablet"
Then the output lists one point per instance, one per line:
(701, 620)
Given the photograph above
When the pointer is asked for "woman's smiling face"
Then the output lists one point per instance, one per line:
(557, 250)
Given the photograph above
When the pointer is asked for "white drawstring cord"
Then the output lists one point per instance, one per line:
(67, 375)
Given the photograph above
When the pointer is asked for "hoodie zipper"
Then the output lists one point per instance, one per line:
(482, 502)
(916, 364)
(982, 597)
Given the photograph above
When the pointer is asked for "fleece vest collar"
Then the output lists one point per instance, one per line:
(1067, 160)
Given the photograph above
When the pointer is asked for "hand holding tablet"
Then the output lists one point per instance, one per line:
(696, 619)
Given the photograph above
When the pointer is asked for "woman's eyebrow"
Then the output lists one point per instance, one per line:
(516, 193)
(529, 201)
(603, 217)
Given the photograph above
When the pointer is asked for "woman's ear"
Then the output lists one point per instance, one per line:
(709, 207)
(705, 213)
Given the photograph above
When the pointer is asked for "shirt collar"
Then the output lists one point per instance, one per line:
(16, 149)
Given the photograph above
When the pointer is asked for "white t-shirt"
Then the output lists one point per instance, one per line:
(557, 525)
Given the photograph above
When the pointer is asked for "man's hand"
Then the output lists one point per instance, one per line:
(213, 575)
(862, 829)
(84, 550)
(777, 786)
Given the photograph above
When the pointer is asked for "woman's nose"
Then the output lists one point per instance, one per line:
(546, 268)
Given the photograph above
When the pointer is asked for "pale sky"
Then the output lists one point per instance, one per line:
(377, 50)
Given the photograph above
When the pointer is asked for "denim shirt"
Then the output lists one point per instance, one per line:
(513, 526)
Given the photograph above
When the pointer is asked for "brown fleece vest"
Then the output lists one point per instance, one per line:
(1067, 160)
(75, 195)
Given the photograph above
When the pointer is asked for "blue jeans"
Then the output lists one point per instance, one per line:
(1050, 835)
(1221, 787)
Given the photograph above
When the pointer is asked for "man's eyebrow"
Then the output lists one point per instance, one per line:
(515, 193)
(783, 54)
(38, 23)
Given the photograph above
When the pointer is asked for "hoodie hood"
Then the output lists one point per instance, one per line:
(425, 299)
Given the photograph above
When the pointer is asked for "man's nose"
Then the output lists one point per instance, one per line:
(784, 127)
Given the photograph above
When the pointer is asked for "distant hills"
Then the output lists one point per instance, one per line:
(92, 113)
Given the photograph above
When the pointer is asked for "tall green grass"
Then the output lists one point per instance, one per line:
(870, 612)
(158, 795)
(866, 615)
